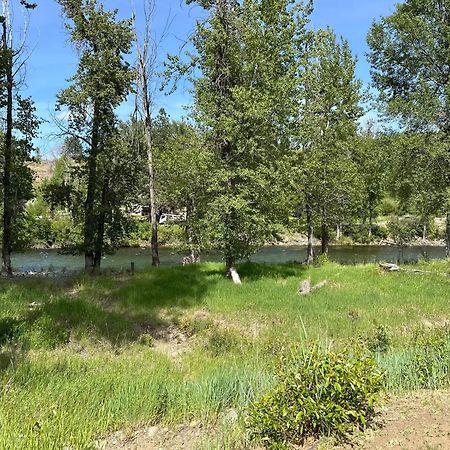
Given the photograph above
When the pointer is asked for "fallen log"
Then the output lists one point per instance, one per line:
(305, 287)
(388, 267)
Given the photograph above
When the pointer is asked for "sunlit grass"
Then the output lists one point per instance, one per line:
(73, 367)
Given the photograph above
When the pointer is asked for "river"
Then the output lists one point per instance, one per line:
(43, 260)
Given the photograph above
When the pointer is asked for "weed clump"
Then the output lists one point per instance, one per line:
(430, 361)
(317, 394)
(380, 341)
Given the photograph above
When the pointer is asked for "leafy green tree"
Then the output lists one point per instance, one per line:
(416, 175)
(101, 83)
(245, 100)
(21, 127)
(409, 53)
(374, 163)
(327, 130)
(183, 168)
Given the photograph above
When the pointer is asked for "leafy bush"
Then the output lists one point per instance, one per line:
(317, 394)
(403, 230)
(321, 260)
(140, 233)
(360, 232)
(388, 206)
(221, 341)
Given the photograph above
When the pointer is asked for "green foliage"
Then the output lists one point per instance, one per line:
(140, 233)
(408, 51)
(403, 230)
(43, 333)
(327, 165)
(317, 394)
(421, 364)
(380, 340)
(246, 108)
(321, 260)
(103, 378)
(388, 206)
(146, 340)
(101, 83)
(219, 342)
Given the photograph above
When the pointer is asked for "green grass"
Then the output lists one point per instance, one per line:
(73, 365)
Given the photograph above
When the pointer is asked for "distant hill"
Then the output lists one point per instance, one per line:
(43, 170)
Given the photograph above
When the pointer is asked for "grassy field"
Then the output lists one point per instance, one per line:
(83, 357)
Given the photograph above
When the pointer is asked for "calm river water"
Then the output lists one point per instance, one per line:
(37, 260)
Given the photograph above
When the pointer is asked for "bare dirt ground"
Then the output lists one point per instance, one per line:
(182, 437)
(418, 421)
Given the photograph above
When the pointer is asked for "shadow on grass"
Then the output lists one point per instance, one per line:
(254, 271)
(113, 309)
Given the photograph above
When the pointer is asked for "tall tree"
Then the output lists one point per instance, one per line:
(184, 165)
(101, 83)
(372, 160)
(19, 118)
(327, 129)
(410, 57)
(245, 98)
(146, 82)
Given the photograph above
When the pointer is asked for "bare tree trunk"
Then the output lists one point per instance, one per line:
(146, 66)
(447, 236)
(89, 213)
(310, 227)
(370, 225)
(190, 234)
(151, 186)
(425, 231)
(338, 232)
(98, 251)
(8, 196)
(325, 238)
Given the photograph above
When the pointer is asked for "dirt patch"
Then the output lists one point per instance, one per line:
(418, 421)
(250, 330)
(182, 437)
(167, 339)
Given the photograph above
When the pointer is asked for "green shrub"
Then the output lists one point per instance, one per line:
(146, 340)
(404, 230)
(321, 260)
(317, 394)
(380, 341)
(388, 206)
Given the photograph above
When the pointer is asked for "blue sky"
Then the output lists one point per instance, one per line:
(53, 59)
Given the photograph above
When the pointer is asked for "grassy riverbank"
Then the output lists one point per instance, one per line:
(86, 356)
